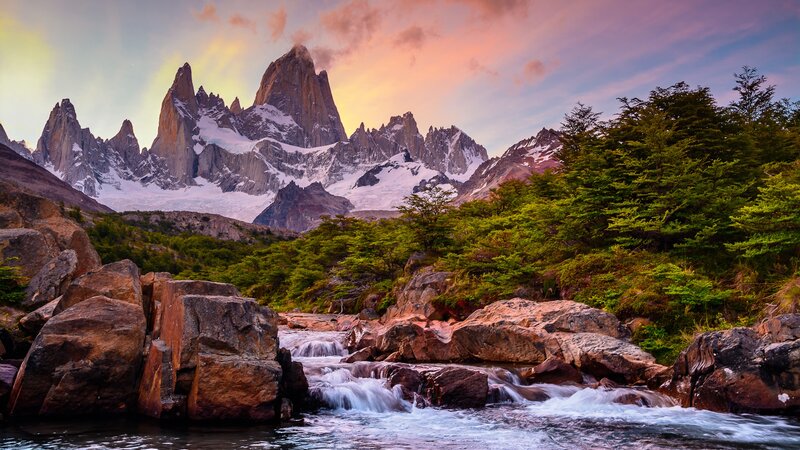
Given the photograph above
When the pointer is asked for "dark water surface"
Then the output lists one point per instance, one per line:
(364, 414)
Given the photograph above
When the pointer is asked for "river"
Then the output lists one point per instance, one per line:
(362, 413)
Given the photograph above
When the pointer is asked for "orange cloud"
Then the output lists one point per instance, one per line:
(238, 20)
(413, 37)
(353, 23)
(533, 70)
(277, 23)
(207, 14)
(301, 37)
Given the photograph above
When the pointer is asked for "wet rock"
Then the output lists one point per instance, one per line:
(457, 387)
(604, 356)
(51, 281)
(742, 370)
(229, 387)
(84, 361)
(294, 384)
(156, 396)
(365, 354)
(408, 378)
(35, 320)
(119, 280)
(25, 248)
(320, 322)
(553, 371)
(219, 351)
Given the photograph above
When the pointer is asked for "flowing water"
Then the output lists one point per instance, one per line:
(362, 413)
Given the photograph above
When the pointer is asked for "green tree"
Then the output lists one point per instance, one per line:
(425, 211)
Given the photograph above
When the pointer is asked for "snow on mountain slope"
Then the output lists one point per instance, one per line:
(204, 197)
(385, 186)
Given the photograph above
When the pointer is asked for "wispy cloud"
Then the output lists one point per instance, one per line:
(207, 14)
(277, 23)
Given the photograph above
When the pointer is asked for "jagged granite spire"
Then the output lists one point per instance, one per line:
(291, 85)
(176, 123)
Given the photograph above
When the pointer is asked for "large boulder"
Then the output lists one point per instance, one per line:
(415, 300)
(517, 331)
(213, 357)
(742, 370)
(230, 387)
(457, 387)
(118, 280)
(604, 357)
(84, 361)
(25, 248)
(52, 280)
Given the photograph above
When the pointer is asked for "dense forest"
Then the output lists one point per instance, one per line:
(677, 210)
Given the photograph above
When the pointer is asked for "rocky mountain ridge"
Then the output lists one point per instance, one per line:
(208, 156)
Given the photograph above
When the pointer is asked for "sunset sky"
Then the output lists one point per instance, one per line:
(498, 69)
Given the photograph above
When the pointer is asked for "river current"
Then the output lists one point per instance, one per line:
(362, 413)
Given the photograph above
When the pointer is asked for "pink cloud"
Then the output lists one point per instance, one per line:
(238, 20)
(277, 23)
(207, 14)
(413, 37)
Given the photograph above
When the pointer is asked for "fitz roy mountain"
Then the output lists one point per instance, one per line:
(230, 160)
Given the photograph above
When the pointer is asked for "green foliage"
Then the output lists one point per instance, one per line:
(12, 284)
(75, 214)
(425, 213)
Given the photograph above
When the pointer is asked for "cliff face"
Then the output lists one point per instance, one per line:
(176, 124)
(300, 209)
(291, 85)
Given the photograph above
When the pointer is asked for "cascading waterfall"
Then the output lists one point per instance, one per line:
(574, 416)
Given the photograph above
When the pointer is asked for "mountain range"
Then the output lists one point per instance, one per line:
(234, 161)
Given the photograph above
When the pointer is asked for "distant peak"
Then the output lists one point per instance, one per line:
(236, 108)
(127, 127)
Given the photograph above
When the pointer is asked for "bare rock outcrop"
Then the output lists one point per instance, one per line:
(214, 357)
(119, 280)
(415, 300)
(742, 370)
(52, 280)
(84, 361)
(515, 331)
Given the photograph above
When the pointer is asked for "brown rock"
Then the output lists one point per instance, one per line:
(365, 354)
(88, 259)
(410, 379)
(741, 370)
(554, 371)
(156, 396)
(84, 361)
(119, 280)
(604, 356)
(52, 280)
(153, 285)
(229, 387)
(415, 301)
(25, 248)
(457, 387)
(34, 321)
(219, 350)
